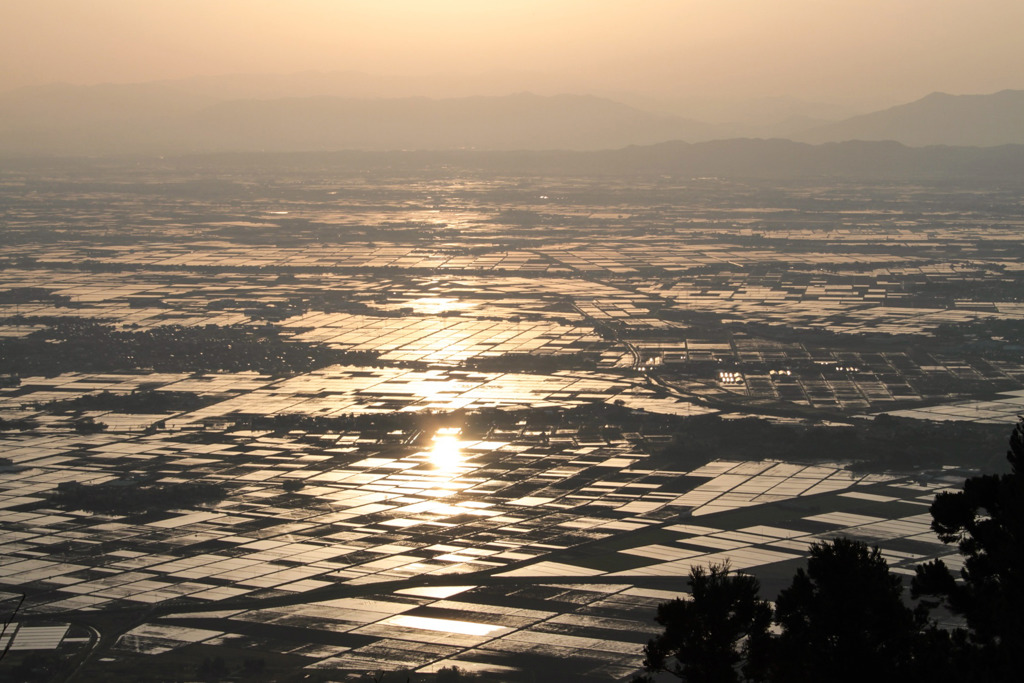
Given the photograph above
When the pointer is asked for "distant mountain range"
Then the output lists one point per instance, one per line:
(155, 120)
(778, 159)
(753, 159)
(280, 114)
(938, 119)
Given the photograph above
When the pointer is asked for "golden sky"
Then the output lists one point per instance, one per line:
(814, 49)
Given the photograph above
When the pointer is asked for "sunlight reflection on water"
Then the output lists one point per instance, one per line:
(466, 628)
(446, 452)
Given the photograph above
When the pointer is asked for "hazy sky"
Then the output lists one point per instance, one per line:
(815, 49)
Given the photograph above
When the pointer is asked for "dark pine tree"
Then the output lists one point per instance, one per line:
(986, 521)
(718, 636)
(843, 619)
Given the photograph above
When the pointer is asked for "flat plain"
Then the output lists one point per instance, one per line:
(319, 420)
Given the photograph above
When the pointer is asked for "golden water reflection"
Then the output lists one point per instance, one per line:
(465, 628)
(434, 305)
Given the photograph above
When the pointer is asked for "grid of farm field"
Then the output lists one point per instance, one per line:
(408, 419)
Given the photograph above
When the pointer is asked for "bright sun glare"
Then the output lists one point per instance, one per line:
(446, 453)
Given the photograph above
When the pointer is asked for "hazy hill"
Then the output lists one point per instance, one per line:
(176, 117)
(339, 111)
(739, 158)
(523, 121)
(778, 159)
(852, 159)
(938, 119)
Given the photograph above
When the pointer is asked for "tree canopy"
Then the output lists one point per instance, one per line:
(844, 616)
(986, 521)
(716, 636)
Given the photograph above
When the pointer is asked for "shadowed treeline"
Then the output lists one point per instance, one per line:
(843, 618)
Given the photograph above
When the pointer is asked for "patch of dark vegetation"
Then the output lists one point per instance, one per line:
(86, 346)
(23, 425)
(140, 402)
(24, 295)
(523, 362)
(983, 333)
(452, 674)
(884, 443)
(39, 666)
(46, 320)
(125, 497)
(370, 424)
(596, 419)
(89, 425)
(327, 302)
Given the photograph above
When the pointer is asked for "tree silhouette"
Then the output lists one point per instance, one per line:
(986, 520)
(212, 669)
(718, 635)
(843, 619)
